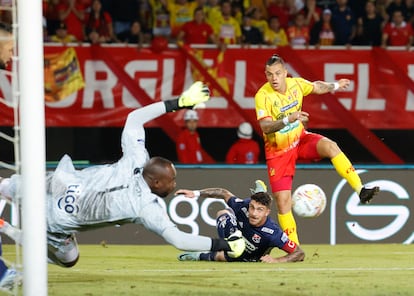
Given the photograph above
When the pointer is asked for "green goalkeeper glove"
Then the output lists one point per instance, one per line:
(197, 93)
(237, 244)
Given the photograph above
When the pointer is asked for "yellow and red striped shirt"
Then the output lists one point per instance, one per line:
(276, 105)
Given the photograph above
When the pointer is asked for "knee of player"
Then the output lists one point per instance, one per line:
(331, 149)
(64, 255)
(69, 264)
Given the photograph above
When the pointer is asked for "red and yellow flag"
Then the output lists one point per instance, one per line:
(215, 70)
(63, 75)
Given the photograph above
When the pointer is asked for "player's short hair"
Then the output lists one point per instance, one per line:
(263, 198)
(275, 59)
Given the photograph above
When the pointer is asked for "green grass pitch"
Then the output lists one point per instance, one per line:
(369, 269)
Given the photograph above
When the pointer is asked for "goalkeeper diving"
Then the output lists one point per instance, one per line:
(127, 191)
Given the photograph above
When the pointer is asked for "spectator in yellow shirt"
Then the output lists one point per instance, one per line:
(160, 18)
(276, 35)
(257, 19)
(213, 12)
(227, 28)
(62, 35)
(181, 11)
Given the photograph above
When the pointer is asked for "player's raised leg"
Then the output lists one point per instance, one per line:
(346, 170)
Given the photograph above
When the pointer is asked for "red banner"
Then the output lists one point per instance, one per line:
(381, 94)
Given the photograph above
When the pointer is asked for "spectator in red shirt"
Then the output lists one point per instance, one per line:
(189, 149)
(280, 9)
(197, 31)
(245, 150)
(298, 33)
(397, 32)
(98, 25)
(72, 12)
(312, 13)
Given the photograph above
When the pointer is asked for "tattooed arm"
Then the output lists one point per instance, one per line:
(323, 87)
(207, 192)
(297, 255)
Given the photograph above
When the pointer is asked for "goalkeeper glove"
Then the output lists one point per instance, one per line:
(197, 93)
(237, 244)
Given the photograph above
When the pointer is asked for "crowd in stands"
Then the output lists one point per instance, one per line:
(223, 22)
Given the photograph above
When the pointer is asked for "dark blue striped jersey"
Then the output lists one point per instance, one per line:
(259, 240)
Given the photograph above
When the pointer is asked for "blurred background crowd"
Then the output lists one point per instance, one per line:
(222, 22)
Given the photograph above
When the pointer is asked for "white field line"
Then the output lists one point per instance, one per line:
(286, 269)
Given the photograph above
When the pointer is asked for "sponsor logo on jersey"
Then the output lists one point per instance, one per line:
(267, 230)
(68, 202)
(256, 238)
(287, 107)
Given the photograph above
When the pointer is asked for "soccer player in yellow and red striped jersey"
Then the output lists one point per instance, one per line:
(279, 112)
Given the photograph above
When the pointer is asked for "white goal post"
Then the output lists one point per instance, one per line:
(32, 145)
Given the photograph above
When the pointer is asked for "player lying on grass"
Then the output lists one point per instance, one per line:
(127, 191)
(251, 217)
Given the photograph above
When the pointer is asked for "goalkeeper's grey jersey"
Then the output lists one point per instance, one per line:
(108, 194)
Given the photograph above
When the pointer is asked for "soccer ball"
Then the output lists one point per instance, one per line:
(309, 201)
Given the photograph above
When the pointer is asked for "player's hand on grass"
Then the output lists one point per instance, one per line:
(237, 244)
(196, 94)
(268, 259)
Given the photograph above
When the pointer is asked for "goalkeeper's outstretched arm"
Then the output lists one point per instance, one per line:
(188, 242)
(196, 94)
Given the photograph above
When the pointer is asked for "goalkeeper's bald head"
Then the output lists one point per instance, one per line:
(160, 175)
